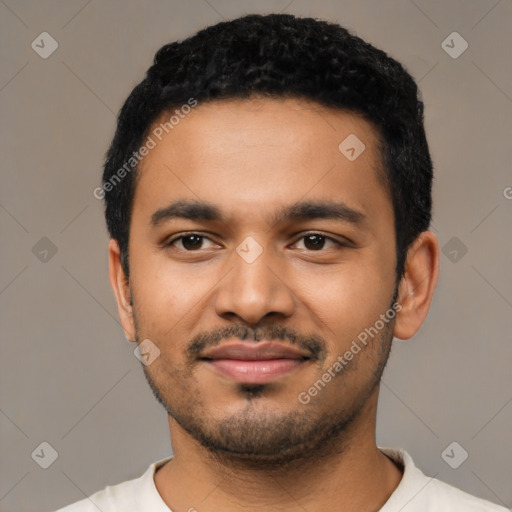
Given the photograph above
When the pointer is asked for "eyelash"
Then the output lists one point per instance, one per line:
(170, 243)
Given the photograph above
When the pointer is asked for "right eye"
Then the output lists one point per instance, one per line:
(189, 242)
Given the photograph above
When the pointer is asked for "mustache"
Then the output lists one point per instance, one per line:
(313, 343)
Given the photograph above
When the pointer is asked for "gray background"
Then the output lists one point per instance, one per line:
(68, 376)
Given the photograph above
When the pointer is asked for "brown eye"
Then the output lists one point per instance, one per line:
(192, 242)
(317, 241)
(314, 242)
(189, 243)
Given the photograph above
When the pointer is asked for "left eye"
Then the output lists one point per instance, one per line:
(316, 241)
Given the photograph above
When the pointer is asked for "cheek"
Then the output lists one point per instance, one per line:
(162, 297)
(346, 301)
(170, 298)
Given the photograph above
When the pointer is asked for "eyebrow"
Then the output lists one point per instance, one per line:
(305, 210)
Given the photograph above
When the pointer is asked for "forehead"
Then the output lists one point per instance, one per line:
(251, 155)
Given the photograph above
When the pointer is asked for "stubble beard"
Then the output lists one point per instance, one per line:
(255, 440)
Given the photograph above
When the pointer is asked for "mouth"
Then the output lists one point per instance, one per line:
(254, 362)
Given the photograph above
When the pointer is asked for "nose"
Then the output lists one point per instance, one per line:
(255, 289)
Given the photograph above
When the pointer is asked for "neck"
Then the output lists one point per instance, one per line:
(352, 474)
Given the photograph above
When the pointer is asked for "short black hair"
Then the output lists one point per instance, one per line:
(281, 56)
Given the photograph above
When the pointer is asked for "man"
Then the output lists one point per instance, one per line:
(268, 197)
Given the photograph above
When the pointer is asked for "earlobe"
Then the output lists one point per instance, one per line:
(417, 286)
(120, 286)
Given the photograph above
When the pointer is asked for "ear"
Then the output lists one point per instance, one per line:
(121, 287)
(417, 286)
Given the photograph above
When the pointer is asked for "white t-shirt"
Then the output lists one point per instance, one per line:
(415, 493)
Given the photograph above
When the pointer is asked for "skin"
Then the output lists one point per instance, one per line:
(253, 449)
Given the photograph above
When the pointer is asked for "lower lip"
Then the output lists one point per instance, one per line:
(254, 372)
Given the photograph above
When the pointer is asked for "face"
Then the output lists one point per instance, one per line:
(249, 223)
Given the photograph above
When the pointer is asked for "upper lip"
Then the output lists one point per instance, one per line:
(254, 351)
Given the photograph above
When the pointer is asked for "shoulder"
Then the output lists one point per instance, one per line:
(454, 499)
(129, 496)
(109, 499)
(419, 493)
